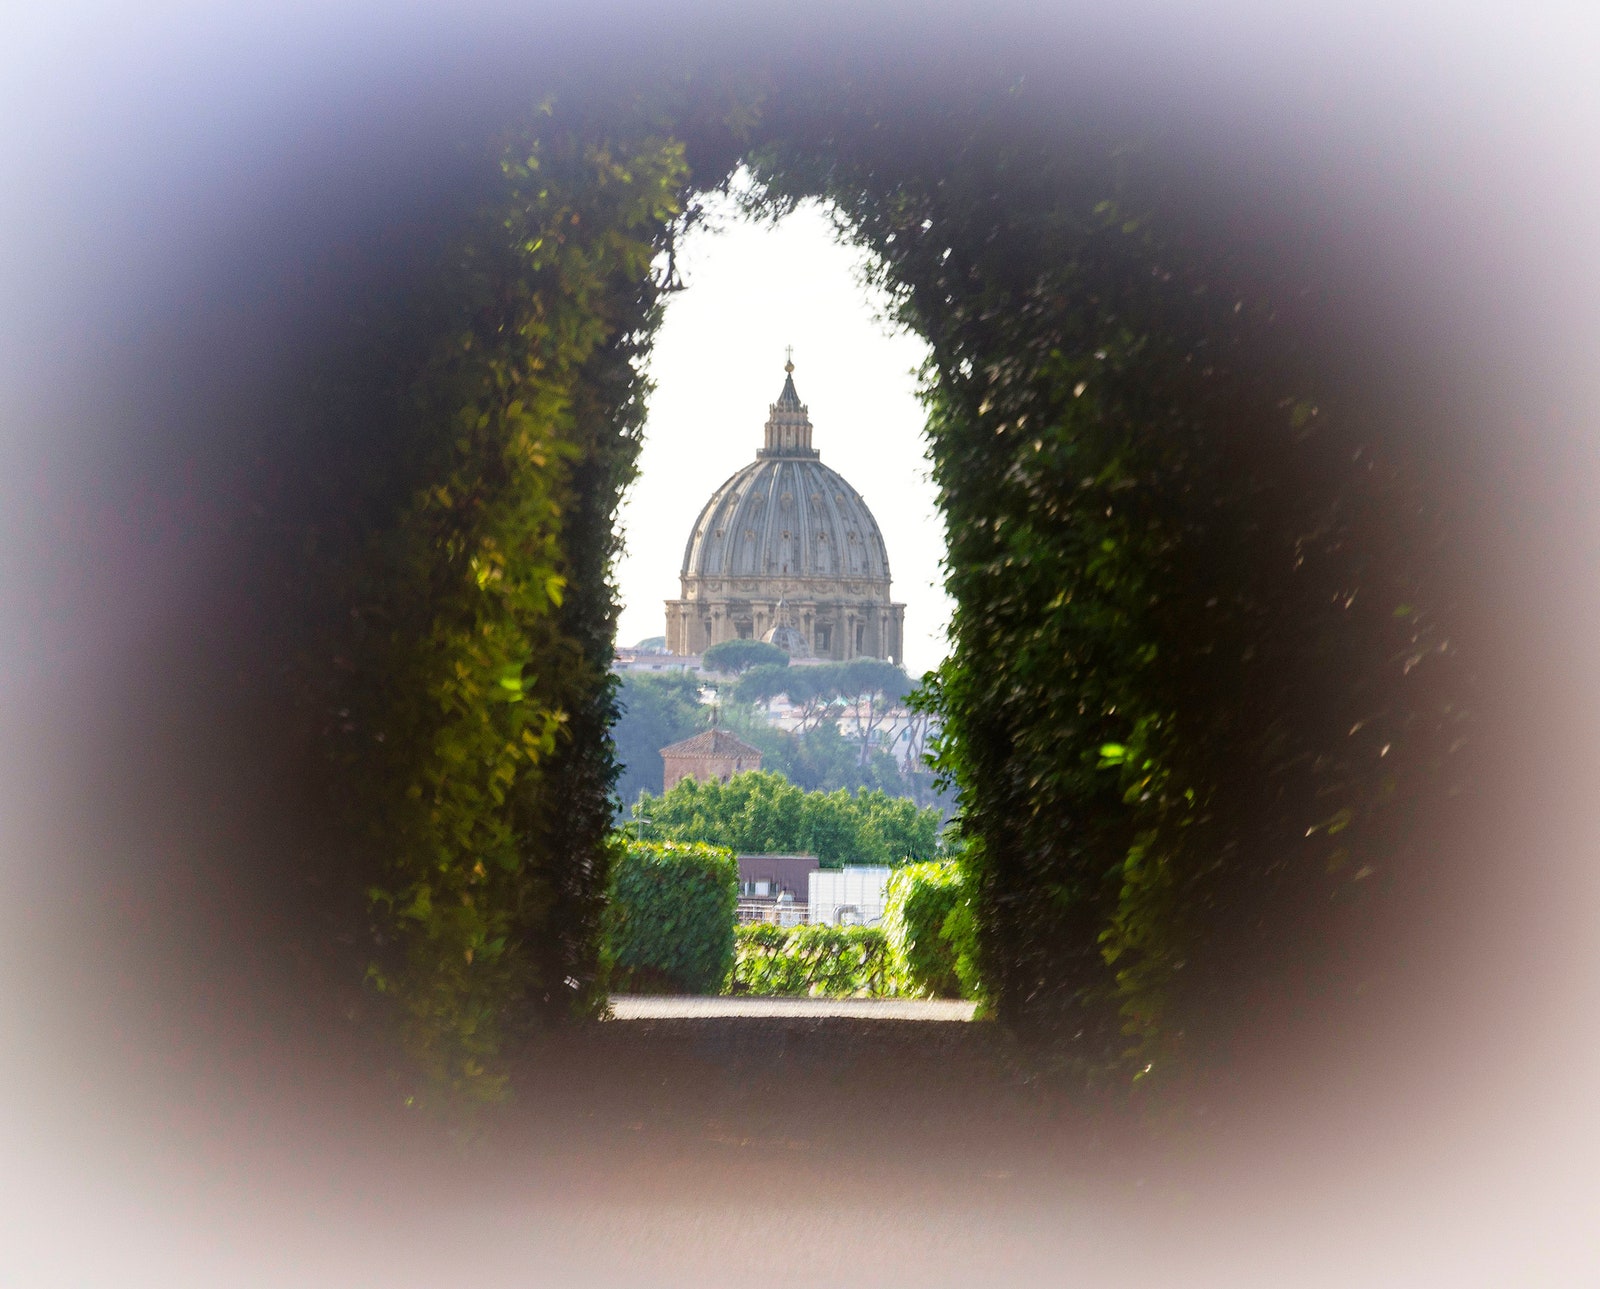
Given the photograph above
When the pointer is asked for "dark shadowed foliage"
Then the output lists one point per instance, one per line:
(1207, 683)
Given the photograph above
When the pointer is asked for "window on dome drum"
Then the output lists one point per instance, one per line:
(824, 639)
(861, 635)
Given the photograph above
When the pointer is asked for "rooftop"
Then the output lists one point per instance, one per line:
(710, 743)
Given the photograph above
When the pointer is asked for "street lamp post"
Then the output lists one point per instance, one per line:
(639, 822)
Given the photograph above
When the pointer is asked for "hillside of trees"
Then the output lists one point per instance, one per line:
(658, 709)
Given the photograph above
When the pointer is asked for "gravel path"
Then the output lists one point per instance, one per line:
(632, 1007)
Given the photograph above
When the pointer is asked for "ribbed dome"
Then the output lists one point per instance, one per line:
(786, 514)
(786, 517)
(786, 551)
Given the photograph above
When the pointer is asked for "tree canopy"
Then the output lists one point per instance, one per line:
(863, 693)
(824, 691)
(760, 812)
(734, 657)
(654, 710)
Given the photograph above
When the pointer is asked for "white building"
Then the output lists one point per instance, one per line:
(849, 896)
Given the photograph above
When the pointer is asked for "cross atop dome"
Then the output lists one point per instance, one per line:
(788, 426)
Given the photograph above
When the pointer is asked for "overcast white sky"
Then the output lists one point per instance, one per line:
(718, 363)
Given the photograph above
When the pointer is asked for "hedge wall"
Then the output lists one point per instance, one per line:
(438, 538)
(669, 923)
(1206, 704)
(921, 899)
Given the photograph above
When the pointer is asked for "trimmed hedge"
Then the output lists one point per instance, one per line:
(669, 927)
(921, 899)
(813, 961)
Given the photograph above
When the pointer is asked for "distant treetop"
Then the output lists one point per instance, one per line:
(735, 657)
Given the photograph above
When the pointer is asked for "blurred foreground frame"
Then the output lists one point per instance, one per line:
(1263, 428)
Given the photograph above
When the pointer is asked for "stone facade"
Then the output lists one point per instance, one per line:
(787, 548)
(714, 754)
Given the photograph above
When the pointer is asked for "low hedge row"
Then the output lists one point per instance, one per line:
(813, 961)
(670, 929)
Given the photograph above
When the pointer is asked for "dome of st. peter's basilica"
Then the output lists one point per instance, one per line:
(786, 550)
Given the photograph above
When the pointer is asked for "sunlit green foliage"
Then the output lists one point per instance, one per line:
(468, 695)
(669, 923)
(814, 962)
(925, 936)
(762, 813)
